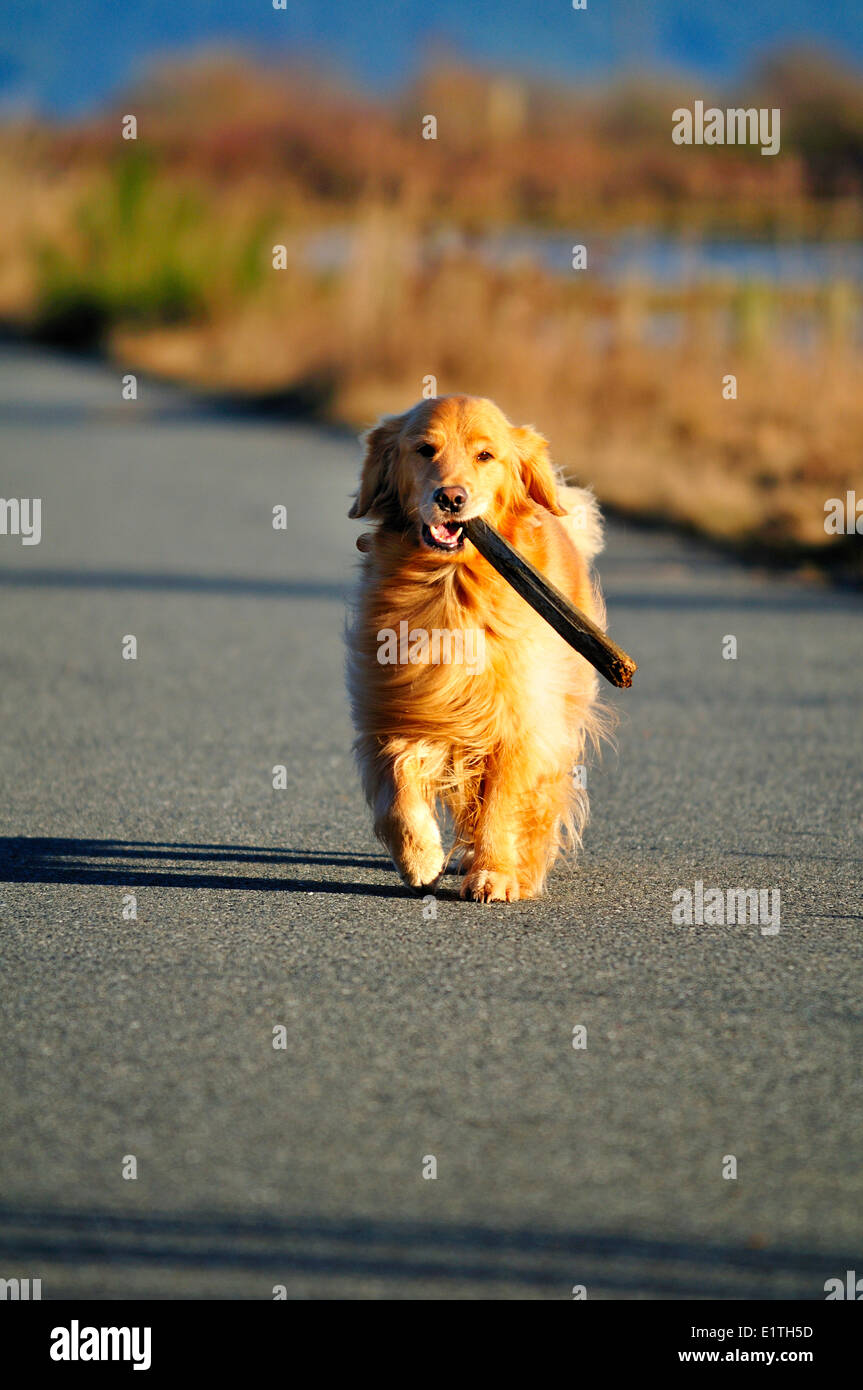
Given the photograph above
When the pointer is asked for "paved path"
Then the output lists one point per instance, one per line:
(405, 1037)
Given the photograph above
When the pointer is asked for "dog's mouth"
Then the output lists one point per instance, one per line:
(443, 535)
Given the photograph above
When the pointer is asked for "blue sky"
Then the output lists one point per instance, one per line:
(66, 56)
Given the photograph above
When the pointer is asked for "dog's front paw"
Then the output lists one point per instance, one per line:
(413, 840)
(420, 865)
(491, 886)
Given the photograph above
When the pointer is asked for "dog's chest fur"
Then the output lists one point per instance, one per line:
(467, 702)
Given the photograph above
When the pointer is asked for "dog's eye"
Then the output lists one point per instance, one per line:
(484, 456)
(428, 451)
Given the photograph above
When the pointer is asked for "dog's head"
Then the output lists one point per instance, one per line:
(446, 460)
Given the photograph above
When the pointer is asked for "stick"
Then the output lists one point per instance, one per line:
(573, 626)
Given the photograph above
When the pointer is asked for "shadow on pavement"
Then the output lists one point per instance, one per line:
(54, 860)
(26, 577)
(404, 1250)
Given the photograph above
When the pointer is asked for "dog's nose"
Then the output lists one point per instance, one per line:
(451, 499)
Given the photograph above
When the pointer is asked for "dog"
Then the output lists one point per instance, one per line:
(495, 742)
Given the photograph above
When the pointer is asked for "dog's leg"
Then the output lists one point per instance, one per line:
(397, 782)
(520, 829)
(465, 802)
(493, 872)
(547, 810)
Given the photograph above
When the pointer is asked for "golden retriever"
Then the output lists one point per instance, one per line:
(493, 740)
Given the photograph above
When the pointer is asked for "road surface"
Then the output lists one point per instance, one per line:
(406, 1037)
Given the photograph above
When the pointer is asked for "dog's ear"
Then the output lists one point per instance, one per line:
(537, 472)
(377, 495)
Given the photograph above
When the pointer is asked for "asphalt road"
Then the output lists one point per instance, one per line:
(405, 1036)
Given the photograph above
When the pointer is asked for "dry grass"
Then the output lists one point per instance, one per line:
(647, 425)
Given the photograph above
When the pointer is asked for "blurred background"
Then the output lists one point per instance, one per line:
(452, 258)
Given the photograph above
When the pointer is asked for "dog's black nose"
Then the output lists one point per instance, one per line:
(451, 499)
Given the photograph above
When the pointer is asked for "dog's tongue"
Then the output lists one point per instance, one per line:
(445, 531)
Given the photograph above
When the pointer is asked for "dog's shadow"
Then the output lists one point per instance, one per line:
(169, 864)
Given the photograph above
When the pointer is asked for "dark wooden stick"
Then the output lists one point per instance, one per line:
(574, 626)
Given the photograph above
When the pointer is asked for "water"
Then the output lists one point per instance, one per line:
(675, 262)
